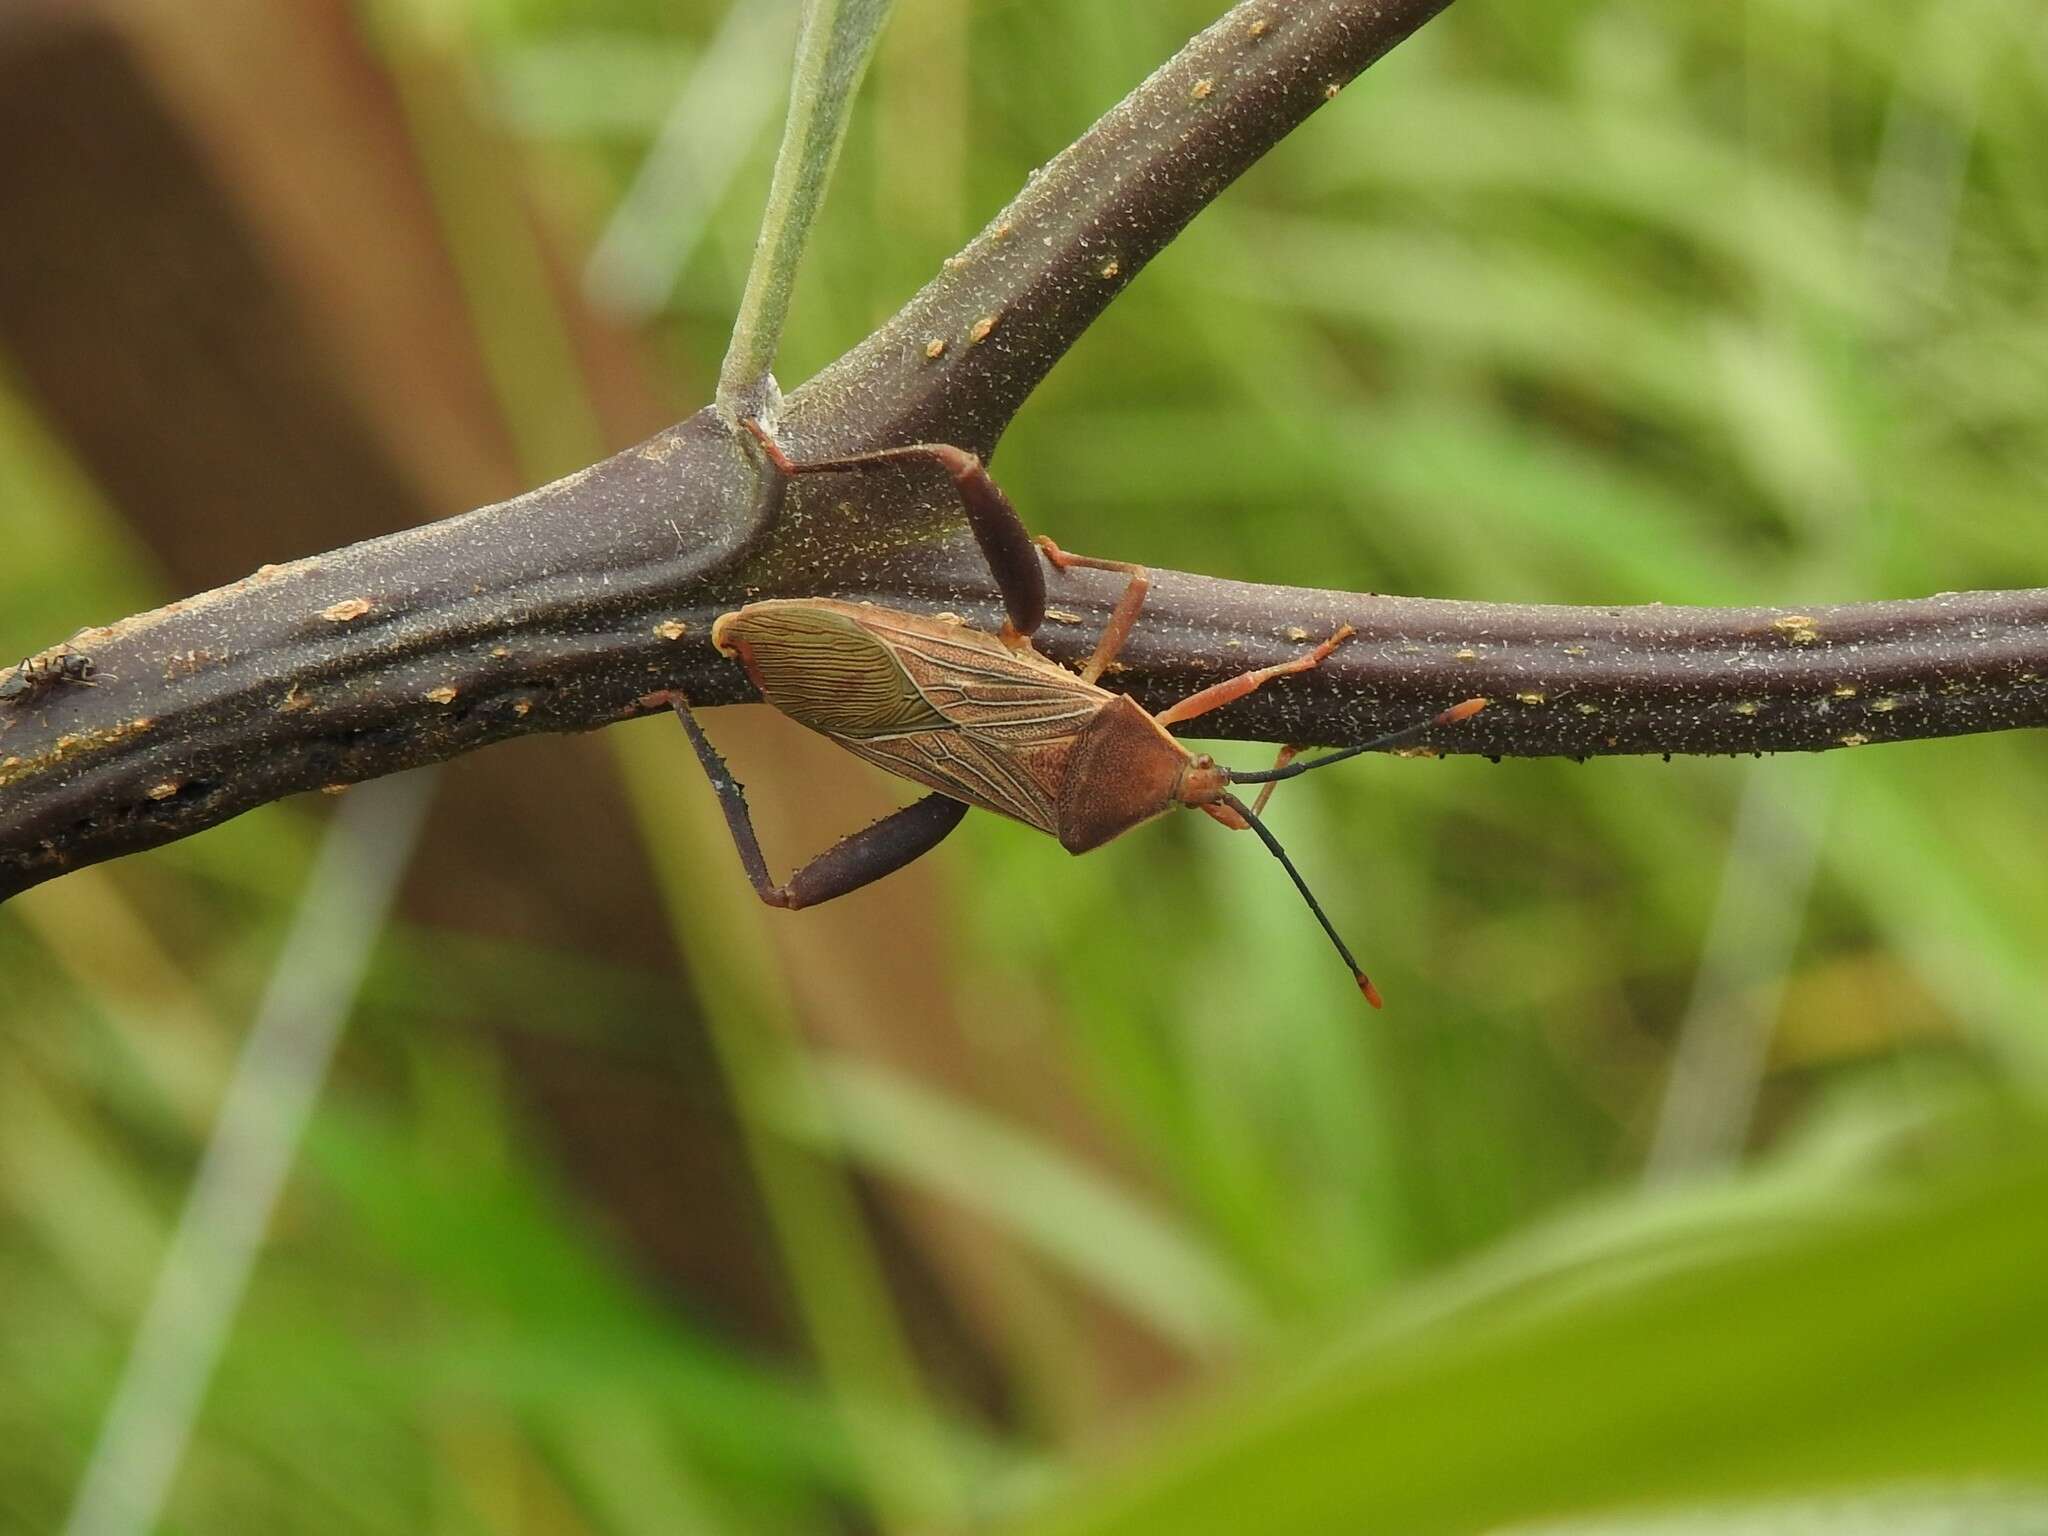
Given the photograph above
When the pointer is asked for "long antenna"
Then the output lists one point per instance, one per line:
(1400, 738)
(1372, 993)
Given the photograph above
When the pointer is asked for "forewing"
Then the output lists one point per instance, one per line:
(982, 687)
(929, 700)
(823, 667)
(1019, 782)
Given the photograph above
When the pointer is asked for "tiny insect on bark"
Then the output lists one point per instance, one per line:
(983, 719)
(36, 676)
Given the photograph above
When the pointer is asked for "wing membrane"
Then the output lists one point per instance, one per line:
(929, 700)
(981, 686)
(1016, 782)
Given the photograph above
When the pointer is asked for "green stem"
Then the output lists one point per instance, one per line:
(832, 53)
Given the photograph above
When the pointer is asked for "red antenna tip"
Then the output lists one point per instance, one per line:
(1464, 711)
(1372, 993)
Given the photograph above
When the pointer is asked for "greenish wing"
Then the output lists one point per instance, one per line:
(825, 671)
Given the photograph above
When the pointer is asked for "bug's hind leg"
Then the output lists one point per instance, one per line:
(852, 862)
(1122, 618)
(1005, 544)
(878, 849)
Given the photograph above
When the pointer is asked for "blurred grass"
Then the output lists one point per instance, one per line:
(1590, 302)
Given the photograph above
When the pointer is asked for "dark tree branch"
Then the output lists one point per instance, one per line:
(1025, 289)
(570, 607)
(1597, 681)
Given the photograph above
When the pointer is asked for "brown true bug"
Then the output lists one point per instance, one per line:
(37, 676)
(983, 719)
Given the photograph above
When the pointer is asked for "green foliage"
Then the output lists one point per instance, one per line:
(1583, 302)
(1876, 1350)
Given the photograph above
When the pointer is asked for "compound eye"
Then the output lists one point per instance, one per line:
(1204, 760)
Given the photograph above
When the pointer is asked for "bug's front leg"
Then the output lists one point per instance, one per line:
(1232, 689)
(1235, 688)
(850, 863)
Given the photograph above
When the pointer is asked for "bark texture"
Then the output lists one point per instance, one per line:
(576, 604)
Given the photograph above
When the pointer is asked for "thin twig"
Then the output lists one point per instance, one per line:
(832, 53)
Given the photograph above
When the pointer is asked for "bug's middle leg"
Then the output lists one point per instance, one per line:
(860, 859)
(1122, 619)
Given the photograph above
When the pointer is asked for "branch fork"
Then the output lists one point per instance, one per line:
(587, 601)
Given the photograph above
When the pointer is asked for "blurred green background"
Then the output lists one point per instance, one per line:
(1697, 1162)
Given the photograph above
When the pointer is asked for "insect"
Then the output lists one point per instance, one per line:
(36, 676)
(983, 719)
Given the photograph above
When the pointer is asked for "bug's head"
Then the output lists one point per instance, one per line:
(1202, 781)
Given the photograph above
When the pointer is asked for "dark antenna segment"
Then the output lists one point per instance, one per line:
(1400, 738)
(1372, 994)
